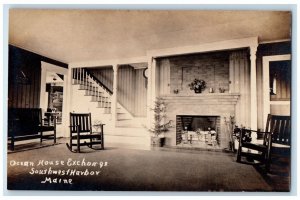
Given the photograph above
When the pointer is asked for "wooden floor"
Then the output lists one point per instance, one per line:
(140, 170)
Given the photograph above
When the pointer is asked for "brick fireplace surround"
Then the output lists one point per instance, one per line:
(211, 104)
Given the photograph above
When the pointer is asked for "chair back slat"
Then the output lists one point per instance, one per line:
(82, 121)
(280, 127)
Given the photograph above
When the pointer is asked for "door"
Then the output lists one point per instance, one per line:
(277, 85)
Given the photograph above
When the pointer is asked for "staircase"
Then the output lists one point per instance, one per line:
(90, 95)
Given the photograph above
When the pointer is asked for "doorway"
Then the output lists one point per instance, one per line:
(276, 85)
(53, 101)
(54, 92)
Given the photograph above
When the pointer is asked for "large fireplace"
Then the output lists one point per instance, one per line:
(200, 113)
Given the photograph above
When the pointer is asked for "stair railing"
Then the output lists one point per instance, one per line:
(93, 87)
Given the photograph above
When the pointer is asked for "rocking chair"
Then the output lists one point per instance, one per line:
(81, 133)
(276, 136)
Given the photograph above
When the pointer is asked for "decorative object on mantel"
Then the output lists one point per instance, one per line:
(176, 91)
(159, 127)
(197, 85)
(211, 90)
(222, 90)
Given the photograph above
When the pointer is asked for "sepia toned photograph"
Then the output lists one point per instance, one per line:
(149, 100)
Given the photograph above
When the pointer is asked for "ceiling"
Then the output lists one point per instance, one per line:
(88, 35)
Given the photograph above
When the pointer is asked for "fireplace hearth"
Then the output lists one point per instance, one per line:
(198, 131)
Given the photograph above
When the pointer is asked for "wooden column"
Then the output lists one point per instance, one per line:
(151, 90)
(253, 100)
(114, 96)
(67, 101)
(43, 87)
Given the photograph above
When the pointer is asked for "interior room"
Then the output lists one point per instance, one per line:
(149, 98)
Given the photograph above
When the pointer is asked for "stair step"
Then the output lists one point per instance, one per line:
(95, 92)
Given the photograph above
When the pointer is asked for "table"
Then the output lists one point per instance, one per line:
(51, 116)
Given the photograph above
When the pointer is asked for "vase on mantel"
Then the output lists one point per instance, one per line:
(198, 90)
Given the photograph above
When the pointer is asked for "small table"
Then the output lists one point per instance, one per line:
(51, 116)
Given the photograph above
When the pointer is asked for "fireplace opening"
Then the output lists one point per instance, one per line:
(198, 131)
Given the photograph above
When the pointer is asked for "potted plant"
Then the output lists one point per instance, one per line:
(159, 127)
(197, 85)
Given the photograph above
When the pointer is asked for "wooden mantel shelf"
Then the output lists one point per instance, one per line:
(203, 98)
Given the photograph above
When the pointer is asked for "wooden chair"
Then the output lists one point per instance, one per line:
(81, 133)
(277, 135)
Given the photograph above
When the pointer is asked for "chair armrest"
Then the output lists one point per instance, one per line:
(73, 126)
(257, 131)
(47, 119)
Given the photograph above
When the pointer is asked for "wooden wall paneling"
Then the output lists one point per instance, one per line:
(130, 88)
(119, 96)
(126, 89)
(142, 90)
(128, 84)
(235, 89)
(26, 99)
(140, 94)
(240, 72)
(237, 75)
(164, 77)
(247, 88)
(167, 89)
(144, 100)
(259, 82)
(243, 108)
(231, 77)
(20, 95)
(38, 80)
(35, 96)
(25, 95)
(137, 85)
(30, 99)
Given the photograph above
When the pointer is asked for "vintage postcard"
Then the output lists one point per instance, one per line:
(149, 100)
